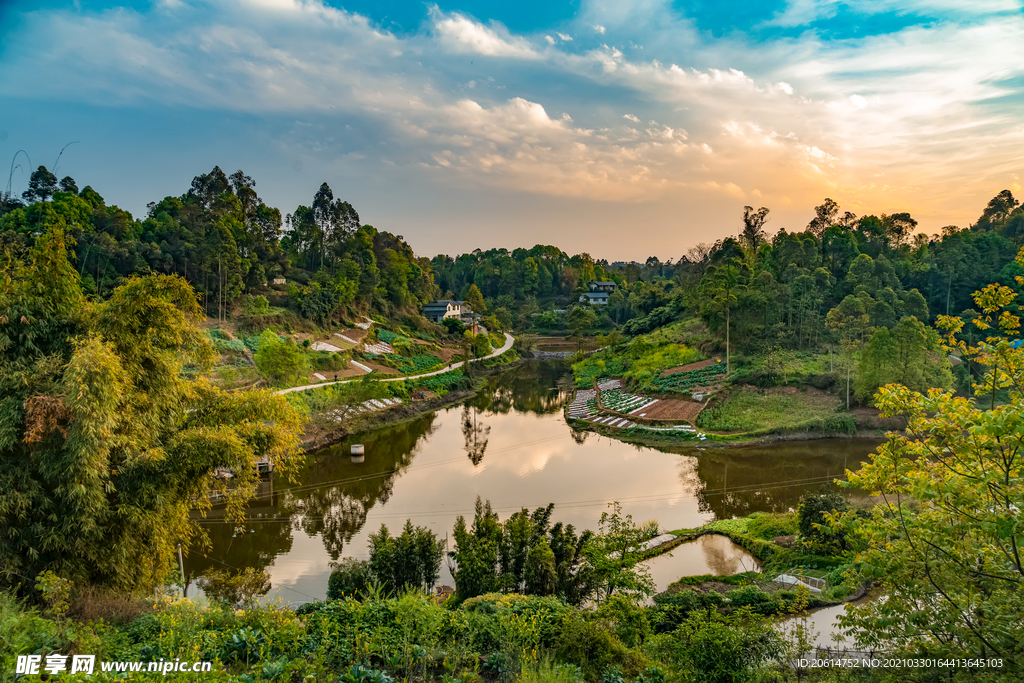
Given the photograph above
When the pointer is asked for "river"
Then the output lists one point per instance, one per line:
(510, 445)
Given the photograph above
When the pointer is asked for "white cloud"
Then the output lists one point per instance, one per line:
(461, 34)
(918, 117)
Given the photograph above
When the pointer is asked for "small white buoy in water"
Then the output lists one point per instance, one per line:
(357, 452)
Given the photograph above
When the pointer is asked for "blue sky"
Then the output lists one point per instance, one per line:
(622, 129)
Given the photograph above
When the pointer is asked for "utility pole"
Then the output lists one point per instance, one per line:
(181, 567)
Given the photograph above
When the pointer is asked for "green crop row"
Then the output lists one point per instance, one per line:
(682, 381)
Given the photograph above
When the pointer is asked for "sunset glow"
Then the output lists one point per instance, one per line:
(624, 130)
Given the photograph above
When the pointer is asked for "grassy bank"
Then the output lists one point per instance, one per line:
(749, 411)
(438, 392)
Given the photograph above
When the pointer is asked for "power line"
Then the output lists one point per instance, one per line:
(754, 488)
(385, 473)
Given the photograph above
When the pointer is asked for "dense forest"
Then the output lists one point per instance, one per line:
(767, 289)
(224, 240)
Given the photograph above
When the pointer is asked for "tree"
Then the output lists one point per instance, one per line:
(454, 326)
(721, 285)
(474, 562)
(349, 577)
(280, 360)
(852, 321)
(753, 226)
(410, 560)
(541, 577)
(581, 320)
(903, 355)
(481, 345)
(106, 444)
(475, 300)
(41, 186)
(945, 541)
(616, 553)
(814, 529)
(825, 216)
(522, 554)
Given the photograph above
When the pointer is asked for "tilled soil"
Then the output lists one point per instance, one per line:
(689, 366)
(671, 409)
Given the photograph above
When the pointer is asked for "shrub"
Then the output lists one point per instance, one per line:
(766, 525)
(330, 361)
(280, 360)
(349, 577)
(593, 648)
(710, 646)
(255, 306)
(92, 604)
(814, 529)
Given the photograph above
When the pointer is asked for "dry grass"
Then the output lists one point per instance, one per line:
(93, 604)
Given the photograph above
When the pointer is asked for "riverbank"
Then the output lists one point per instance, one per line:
(317, 437)
(758, 416)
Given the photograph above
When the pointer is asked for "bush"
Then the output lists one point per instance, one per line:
(814, 528)
(766, 525)
(454, 326)
(719, 648)
(255, 306)
(330, 361)
(349, 577)
(279, 360)
(593, 648)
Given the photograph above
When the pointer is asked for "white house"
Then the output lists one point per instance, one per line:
(445, 308)
(601, 286)
(595, 298)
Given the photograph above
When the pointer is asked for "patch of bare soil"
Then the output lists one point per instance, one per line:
(424, 395)
(355, 334)
(382, 369)
(350, 371)
(446, 354)
(689, 366)
(671, 410)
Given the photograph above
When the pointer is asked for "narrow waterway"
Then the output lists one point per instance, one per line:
(509, 445)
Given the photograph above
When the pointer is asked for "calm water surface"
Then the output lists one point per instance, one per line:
(512, 446)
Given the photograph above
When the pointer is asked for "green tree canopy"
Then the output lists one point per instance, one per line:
(946, 541)
(280, 360)
(909, 354)
(105, 442)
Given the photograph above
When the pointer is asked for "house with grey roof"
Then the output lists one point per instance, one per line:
(594, 298)
(437, 311)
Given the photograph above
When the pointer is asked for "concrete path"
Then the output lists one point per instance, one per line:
(509, 340)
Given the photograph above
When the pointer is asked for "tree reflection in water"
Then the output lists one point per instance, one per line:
(475, 434)
(735, 482)
(333, 497)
